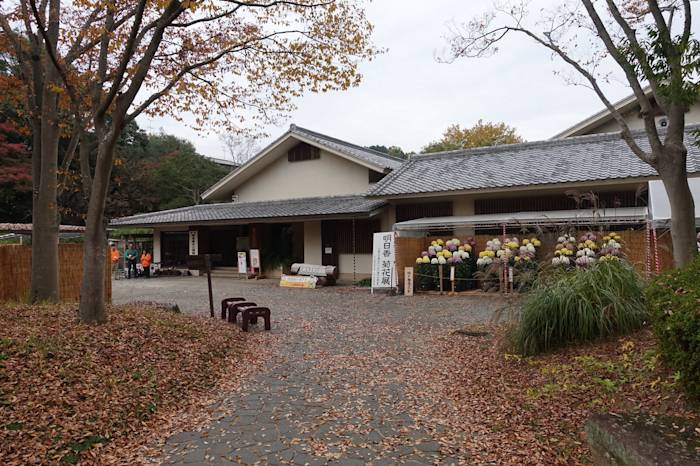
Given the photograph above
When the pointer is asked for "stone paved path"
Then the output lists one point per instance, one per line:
(334, 391)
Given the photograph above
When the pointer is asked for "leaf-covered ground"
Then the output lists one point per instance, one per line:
(74, 393)
(361, 379)
(494, 407)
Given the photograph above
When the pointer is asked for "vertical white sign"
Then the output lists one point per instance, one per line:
(242, 262)
(255, 258)
(194, 243)
(383, 260)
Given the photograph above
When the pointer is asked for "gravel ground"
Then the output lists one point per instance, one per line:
(335, 389)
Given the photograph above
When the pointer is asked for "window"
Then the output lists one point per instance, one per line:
(302, 152)
(406, 212)
(609, 199)
(364, 231)
(374, 177)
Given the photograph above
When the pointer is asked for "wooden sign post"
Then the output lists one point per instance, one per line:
(204, 261)
(408, 281)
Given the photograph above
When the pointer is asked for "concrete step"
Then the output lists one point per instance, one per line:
(226, 273)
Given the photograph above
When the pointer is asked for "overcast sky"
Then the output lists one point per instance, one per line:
(407, 98)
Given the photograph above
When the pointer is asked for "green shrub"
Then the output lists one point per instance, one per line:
(425, 277)
(674, 302)
(584, 304)
(464, 273)
(364, 283)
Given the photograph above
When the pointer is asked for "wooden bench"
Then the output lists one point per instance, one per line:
(235, 308)
(251, 314)
(225, 303)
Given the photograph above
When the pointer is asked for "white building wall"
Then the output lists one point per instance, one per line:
(312, 242)
(463, 206)
(634, 122)
(660, 206)
(329, 175)
(156, 246)
(363, 266)
(387, 218)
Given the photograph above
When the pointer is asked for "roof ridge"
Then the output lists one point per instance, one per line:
(390, 177)
(294, 127)
(228, 204)
(339, 196)
(176, 209)
(543, 142)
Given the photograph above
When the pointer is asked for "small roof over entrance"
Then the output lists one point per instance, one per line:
(259, 212)
(622, 215)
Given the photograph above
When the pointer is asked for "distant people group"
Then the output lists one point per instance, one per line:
(138, 263)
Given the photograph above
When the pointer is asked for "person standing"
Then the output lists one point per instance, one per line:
(132, 257)
(146, 259)
(114, 254)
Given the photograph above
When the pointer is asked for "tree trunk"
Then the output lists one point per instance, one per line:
(675, 179)
(44, 285)
(92, 290)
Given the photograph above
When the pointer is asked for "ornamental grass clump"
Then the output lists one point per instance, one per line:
(583, 304)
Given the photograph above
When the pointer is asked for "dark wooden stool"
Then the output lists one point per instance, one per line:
(251, 314)
(225, 304)
(235, 308)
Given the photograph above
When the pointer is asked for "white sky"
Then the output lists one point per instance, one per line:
(408, 99)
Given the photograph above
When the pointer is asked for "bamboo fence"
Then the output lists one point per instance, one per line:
(16, 266)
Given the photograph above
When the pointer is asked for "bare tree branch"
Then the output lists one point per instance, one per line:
(126, 57)
(188, 69)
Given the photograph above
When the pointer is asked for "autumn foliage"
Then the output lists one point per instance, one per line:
(15, 175)
(480, 135)
(71, 392)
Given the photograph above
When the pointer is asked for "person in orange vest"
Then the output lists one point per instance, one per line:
(114, 254)
(146, 259)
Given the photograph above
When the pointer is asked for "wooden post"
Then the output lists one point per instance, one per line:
(408, 281)
(440, 275)
(452, 279)
(207, 266)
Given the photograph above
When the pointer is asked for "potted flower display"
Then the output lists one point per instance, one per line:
(564, 251)
(441, 253)
(611, 249)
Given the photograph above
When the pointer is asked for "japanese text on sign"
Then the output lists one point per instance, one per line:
(383, 261)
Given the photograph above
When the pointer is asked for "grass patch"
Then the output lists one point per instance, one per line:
(585, 304)
(364, 283)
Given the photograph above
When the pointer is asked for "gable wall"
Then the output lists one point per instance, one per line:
(330, 175)
(634, 122)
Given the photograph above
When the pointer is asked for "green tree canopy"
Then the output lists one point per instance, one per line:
(394, 151)
(151, 172)
(183, 174)
(480, 135)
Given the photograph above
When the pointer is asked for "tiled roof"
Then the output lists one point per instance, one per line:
(368, 155)
(302, 207)
(572, 160)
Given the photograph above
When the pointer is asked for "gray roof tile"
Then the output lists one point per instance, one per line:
(239, 211)
(363, 153)
(578, 159)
